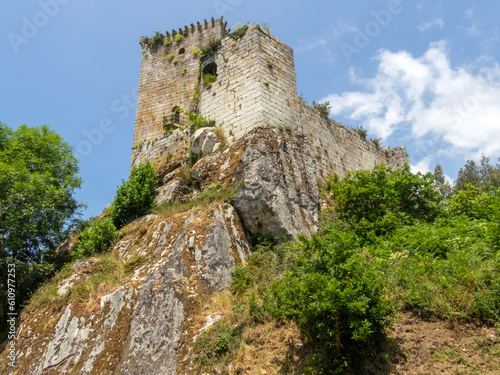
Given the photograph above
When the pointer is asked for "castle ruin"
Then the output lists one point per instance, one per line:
(256, 86)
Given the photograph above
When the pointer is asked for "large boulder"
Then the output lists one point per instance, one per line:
(203, 141)
(274, 174)
(279, 192)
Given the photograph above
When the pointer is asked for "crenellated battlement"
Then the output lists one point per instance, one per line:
(215, 27)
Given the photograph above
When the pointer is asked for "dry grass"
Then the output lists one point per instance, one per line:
(271, 347)
(212, 194)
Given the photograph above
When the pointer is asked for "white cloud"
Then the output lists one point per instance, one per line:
(424, 26)
(454, 108)
(422, 166)
(469, 13)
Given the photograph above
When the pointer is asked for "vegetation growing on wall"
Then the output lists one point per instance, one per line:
(240, 31)
(196, 121)
(210, 48)
(362, 132)
(156, 40)
(322, 108)
(208, 79)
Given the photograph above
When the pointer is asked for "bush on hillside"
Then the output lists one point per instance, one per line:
(134, 197)
(95, 239)
(335, 295)
(380, 200)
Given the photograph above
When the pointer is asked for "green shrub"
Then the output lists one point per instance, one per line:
(208, 79)
(472, 202)
(134, 197)
(195, 51)
(240, 31)
(167, 41)
(178, 38)
(170, 56)
(335, 296)
(156, 40)
(95, 239)
(380, 199)
(362, 132)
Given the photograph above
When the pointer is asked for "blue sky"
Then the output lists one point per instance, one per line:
(423, 74)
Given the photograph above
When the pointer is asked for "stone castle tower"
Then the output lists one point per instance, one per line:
(255, 86)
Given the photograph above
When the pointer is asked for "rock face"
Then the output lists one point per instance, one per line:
(279, 195)
(274, 174)
(136, 328)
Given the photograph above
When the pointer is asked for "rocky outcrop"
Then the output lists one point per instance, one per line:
(274, 174)
(279, 192)
(137, 326)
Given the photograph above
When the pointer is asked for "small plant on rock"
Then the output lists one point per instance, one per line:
(362, 132)
(178, 38)
(322, 108)
(210, 48)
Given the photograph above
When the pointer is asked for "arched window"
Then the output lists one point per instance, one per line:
(210, 69)
(181, 51)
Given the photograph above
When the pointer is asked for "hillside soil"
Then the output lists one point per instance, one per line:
(423, 346)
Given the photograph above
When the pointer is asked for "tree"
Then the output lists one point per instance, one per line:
(134, 197)
(483, 175)
(440, 182)
(38, 176)
(381, 199)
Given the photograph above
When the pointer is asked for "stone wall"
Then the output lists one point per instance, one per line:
(256, 84)
(339, 149)
(167, 83)
(161, 148)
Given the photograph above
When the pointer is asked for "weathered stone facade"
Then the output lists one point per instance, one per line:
(256, 86)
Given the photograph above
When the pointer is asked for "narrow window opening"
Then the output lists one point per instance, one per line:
(210, 69)
(176, 115)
